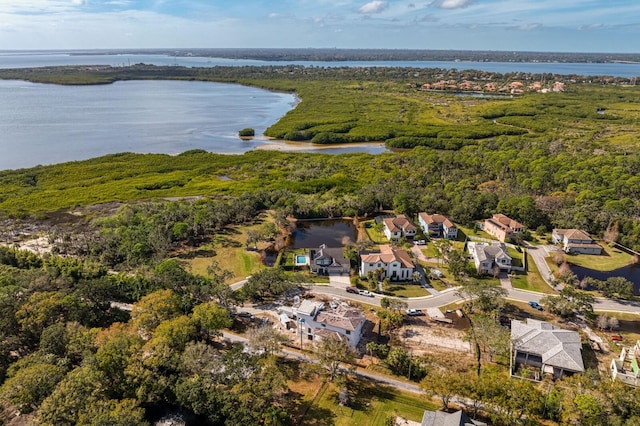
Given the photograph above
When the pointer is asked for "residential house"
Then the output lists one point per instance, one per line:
(575, 241)
(437, 225)
(395, 262)
(488, 255)
(625, 368)
(343, 323)
(442, 418)
(328, 261)
(502, 227)
(397, 227)
(547, 347)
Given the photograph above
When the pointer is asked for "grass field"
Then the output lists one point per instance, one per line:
(475, 233)
(611, 259)
(406, 290)
(230, 253)
(516, 256)
(531, 280)
(371, 404)
(374, 235)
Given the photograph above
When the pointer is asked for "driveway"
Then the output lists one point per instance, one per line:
(538, 254)
(339, 281)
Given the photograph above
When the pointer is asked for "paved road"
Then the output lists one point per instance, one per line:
(293, 354)
(538, 254)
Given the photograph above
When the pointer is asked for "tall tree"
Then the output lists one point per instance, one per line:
(331, 354)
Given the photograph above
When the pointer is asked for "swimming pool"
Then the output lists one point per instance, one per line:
(301, 259)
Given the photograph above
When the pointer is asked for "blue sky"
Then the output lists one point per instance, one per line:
(532, 25)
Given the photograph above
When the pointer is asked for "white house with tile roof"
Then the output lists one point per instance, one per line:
(398, 227)
(437, 225)
(575, 241)
(542, 345)
(395, 262)
(344, 323)
(486, 256)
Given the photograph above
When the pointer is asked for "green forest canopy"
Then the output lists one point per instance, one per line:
(567, 159)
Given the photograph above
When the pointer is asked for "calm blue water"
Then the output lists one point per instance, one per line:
(630, 272)
(332, 233)
(45, 124)
(18, 59)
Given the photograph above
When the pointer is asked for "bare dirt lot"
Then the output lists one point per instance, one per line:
(423, 336)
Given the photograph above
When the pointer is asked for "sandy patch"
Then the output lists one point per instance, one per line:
(38, 245)
(306, 146)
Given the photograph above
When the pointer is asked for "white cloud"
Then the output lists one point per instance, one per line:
(372, 7)
(452, 4)
(39, 6)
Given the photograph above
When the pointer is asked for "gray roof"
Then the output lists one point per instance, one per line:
(490, 251)
(440, 418)
(558, 347)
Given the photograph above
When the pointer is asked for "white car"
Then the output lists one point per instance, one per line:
(365, 293)
(414, 312)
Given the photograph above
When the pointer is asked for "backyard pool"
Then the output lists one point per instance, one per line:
(301, 259)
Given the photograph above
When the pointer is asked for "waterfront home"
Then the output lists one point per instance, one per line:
(397, 227)
(437, 225)
(328, 261)
(575, 241)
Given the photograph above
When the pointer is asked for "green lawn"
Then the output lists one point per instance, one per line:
(610, 259)
(371, 404)
(406, 290)
(516, 256)
(477, 233)
(228, 249)
(374, 235)
(532, 280)
(235, 259)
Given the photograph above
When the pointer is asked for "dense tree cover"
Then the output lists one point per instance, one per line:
(68, 361)
(553, 160)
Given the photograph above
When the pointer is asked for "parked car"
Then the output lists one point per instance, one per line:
(365, 293)
(333, 305)
(352, 290)
(414, 312)
(616, 338)
(421, 242)
(535, 305)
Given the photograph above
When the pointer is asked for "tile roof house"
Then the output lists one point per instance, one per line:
(343, 323)
(395, 262)
(575, 241)
(502, 227)
(437, 225)
(441, 418)
(328, 261)
(543, 345)
(486, 256)
(398, 227)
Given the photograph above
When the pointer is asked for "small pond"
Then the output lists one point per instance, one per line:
(330, 232)
(630, 272)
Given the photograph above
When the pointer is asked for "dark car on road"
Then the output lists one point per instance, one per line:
(535, 305)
